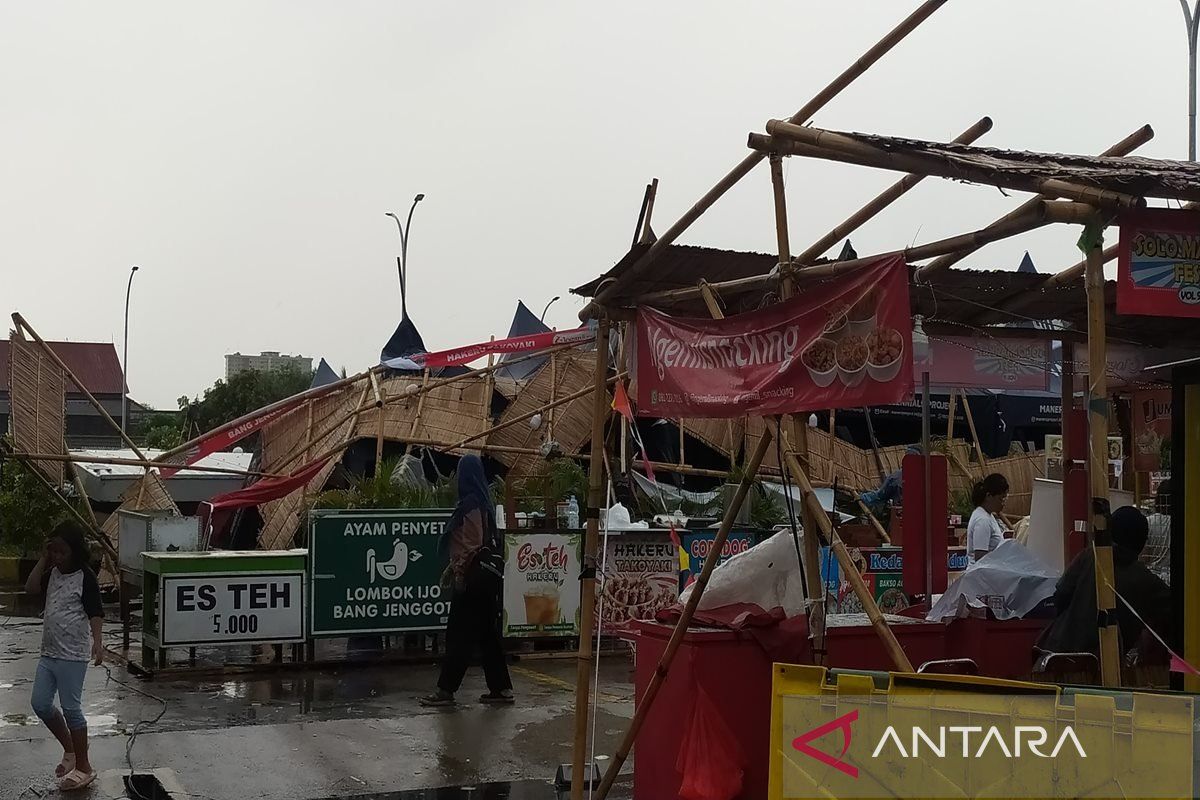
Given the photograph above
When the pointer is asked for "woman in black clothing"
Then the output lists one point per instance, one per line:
(472, 542)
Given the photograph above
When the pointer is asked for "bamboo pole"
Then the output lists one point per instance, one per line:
(647, 232)
(835, 87)
(833, 146)
(379, 426)
(1068, 408)
(553, 397)
(847, 568)
(1122, 148)
(884, 199)
(561, 401)
(1097, 405)
(1047, 213)
(321, 391)
(832, 425)
(879, 529)
(97, 534)
(637, 229)
(646, 701)
(416, 423)
(591, 543)
(974, 434)
(490, 384)
(140, 462)
(812, 551)
(20, 322)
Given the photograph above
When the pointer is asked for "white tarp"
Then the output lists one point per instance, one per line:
(1012, 572)
(767, 575)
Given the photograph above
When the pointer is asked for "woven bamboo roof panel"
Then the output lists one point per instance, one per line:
(446, 414)
(281, 517)
(572, 422)
(307, 431)
(38, 405)
(723, 435)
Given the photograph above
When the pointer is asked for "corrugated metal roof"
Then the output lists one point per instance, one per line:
(94, 363)
(964, 296)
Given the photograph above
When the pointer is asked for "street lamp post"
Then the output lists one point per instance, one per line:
(1191, 16)
(404, 230)
(125, 357)
(547, 308)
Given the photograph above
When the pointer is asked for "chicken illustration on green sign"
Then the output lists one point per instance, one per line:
(392, 569)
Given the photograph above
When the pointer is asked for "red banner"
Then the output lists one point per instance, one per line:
(517, 345)
(846, 342)
(217, 442)
(1151, 426)
(1158, 263)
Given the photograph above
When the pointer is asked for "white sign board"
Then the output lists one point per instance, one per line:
(232, 608)
(1046, 528)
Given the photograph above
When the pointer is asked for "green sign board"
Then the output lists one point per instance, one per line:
(376, 572)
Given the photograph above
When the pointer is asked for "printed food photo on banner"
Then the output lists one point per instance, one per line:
(641, 578)
(845, 341)
(541, 584)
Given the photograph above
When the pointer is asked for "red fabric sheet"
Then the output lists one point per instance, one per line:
(784, 640)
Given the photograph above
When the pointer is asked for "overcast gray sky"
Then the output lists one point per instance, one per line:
(244, 153)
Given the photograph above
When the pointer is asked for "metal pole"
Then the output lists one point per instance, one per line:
(404, 229)
(125, 357)
(1191, 17)
(925, 460)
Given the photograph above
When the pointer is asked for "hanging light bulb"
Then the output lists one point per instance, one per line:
(920, 340)
(535, 422)
(812, 420)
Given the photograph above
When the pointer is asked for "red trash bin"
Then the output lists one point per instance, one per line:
(735, 672)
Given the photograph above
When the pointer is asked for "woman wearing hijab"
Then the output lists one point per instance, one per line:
(472, 543)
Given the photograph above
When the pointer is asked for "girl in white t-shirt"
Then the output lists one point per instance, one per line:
(984, 531)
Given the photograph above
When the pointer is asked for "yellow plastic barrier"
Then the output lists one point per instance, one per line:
(943, 736)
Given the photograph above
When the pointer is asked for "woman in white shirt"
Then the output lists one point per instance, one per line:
(984, 531)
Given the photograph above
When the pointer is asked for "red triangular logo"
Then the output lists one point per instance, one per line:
(842, 723)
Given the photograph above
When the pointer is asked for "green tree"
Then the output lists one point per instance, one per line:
(28, 510)
(246, 391)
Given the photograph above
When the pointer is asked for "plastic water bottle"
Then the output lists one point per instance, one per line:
(573, 513)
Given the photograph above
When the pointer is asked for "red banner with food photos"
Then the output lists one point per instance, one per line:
(843, 342)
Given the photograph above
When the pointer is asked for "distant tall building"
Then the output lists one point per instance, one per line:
(266, 361)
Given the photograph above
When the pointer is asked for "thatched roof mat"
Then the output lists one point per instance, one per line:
(38, 402)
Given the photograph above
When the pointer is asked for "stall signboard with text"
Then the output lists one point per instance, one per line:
(541, 584)
(641, 578)
(377, 572)
(223, 609)
(845, 342)
(1151, 412)
(698, 544)
(1158, 263)
(979, 362)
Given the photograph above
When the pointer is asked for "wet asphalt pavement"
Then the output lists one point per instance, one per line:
(348, 732)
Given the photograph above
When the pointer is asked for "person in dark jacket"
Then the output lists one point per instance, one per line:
(475, 603)
(1075, 629)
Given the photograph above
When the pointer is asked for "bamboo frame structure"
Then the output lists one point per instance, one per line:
(831, 90)
(974, 434)
(1045, 213)
(791, 139)
(21, 324)
(1097, 406)
(646, 701)
(884, 199)
(142, 462)
(591, 544)
(1122, 148)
